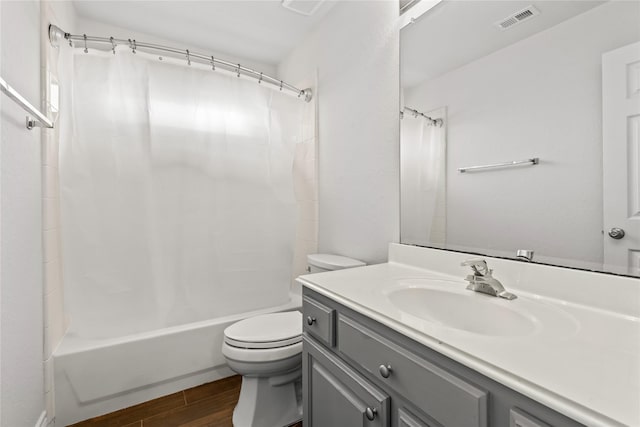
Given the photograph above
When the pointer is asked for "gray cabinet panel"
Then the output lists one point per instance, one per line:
(319, 320)
(518, 418)
(333, 403)
(407, 419)
(337, 396)
(445, 397)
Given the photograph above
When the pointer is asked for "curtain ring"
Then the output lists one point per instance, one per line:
(188, 58)
(213, 64)
(85, 44)
(113, 45)
(238, 70)
(260, 79)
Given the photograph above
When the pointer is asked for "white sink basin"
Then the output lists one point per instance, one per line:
(450, 305)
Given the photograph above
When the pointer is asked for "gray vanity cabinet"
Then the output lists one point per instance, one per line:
(358, 372)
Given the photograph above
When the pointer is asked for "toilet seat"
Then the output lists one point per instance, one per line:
(261, 355)
(262, 345)
(268, 331)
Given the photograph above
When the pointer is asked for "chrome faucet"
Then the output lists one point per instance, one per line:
(482, 280)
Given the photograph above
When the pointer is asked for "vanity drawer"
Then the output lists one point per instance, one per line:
(446, 398)
(319, 320)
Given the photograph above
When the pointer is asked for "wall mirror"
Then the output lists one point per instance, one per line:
(520, 130)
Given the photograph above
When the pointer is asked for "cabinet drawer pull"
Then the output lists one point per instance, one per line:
(385, 370)
(371, 413)
(311, 320)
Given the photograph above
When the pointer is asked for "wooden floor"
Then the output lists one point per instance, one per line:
(208, 405)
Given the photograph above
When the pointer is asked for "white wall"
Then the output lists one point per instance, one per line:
(21, 316)
(355, 52)
(540, 97)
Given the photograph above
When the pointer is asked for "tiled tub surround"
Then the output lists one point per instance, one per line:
(98, 376)
(589, 371)
(56, 66)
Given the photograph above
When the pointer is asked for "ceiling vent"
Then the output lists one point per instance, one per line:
(303, 7)
(518, 17)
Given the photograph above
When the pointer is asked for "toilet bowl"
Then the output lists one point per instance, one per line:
(267, 351)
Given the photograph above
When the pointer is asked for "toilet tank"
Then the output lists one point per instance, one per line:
(317, 263)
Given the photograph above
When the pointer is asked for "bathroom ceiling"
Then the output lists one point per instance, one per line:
(260, 30)
(433, 46)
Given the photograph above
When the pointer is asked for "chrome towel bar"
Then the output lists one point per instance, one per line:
(532, 161)
(40, 120)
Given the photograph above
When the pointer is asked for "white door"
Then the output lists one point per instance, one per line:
(621, 158)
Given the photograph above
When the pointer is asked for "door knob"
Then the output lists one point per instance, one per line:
(311, 320)
(616, 233)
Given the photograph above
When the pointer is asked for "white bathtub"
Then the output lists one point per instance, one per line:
(98, 376)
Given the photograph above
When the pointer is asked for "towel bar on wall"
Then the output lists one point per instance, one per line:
(532, 161)
(40, 119)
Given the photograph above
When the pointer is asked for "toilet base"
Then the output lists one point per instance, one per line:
(268, 402)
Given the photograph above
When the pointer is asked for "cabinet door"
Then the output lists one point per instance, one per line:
(518, 418)
(407, 419)
(336, 396)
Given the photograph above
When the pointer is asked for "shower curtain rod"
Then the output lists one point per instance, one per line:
(416, 113)
(56, 35)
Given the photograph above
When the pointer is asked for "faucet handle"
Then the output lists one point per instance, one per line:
(478, 265)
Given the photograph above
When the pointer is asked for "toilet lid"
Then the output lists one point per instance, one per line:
(266, 331)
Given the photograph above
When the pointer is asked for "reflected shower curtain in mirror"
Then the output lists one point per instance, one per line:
(177, 197)
(423, 169)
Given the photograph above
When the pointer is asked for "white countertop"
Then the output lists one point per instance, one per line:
(588, 369)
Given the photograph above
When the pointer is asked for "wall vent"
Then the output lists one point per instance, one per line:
(518, 17)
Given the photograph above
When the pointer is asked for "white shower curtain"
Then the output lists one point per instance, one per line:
(423, 180)
(177, 196)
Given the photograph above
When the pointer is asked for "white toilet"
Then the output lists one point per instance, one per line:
(267, 351)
